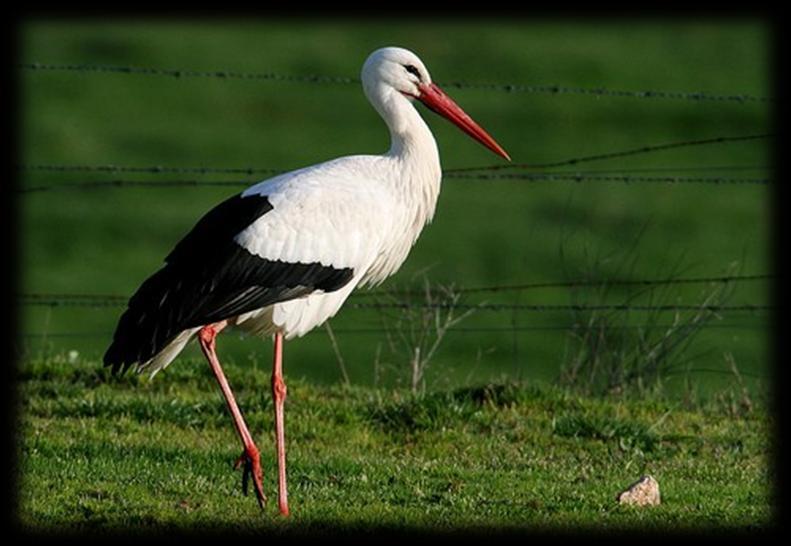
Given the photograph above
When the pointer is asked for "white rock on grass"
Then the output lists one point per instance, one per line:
(643, 492)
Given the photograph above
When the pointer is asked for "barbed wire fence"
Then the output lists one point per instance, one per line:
(347, 80)
(518, 172)
(110, 300)
(469, 173)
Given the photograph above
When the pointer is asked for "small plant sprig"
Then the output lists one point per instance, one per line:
(609, 352)
(416, 330)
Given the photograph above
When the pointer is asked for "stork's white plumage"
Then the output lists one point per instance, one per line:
(281, 257)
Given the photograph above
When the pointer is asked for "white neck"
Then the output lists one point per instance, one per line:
(409, 134)
(413, 149)
(414, 172)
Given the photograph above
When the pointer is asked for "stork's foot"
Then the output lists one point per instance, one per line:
(251, 460)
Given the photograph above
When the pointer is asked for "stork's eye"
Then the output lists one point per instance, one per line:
(413, 70)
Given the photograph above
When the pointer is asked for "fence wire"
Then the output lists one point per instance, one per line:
(625, 179)
(116, 301)
(457, 329)
(178, 73)
(112, 299)
(620, 153)
(577, 283)
(489, 172)
(572, 161)
(525, 177)
(543, 308)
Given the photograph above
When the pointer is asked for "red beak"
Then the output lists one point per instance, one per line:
(436, 99)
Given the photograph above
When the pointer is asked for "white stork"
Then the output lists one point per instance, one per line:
(281, 257)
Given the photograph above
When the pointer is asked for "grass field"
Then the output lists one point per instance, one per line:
(106, 454)
(485, 233)
(132, 452)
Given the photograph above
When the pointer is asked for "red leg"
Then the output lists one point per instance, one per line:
(250, 456)
(279, 396)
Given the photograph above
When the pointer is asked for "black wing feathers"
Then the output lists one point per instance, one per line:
(208, 278)
(219, 226)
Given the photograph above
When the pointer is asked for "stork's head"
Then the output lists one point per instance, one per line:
(397, 69)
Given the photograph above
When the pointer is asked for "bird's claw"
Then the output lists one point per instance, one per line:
(252, 467)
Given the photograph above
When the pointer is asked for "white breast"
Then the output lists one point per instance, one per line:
(341, 214)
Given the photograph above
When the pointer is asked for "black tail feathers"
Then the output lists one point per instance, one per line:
(147, 326)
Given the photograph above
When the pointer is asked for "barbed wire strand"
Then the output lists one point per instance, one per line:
(448, 173)
(117, 298)
(686, 168)
(525, 177)
(155, 169)
(158, 169)
(465, 329)
(147, 184)
(617, 154)
(579, 283)
(179, 73)
(749, 307)
(626, 179)
(698, 96)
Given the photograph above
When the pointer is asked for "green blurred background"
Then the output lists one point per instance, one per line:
(486, 232)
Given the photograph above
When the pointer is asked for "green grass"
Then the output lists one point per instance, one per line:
(101, 453)
(484, 233)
